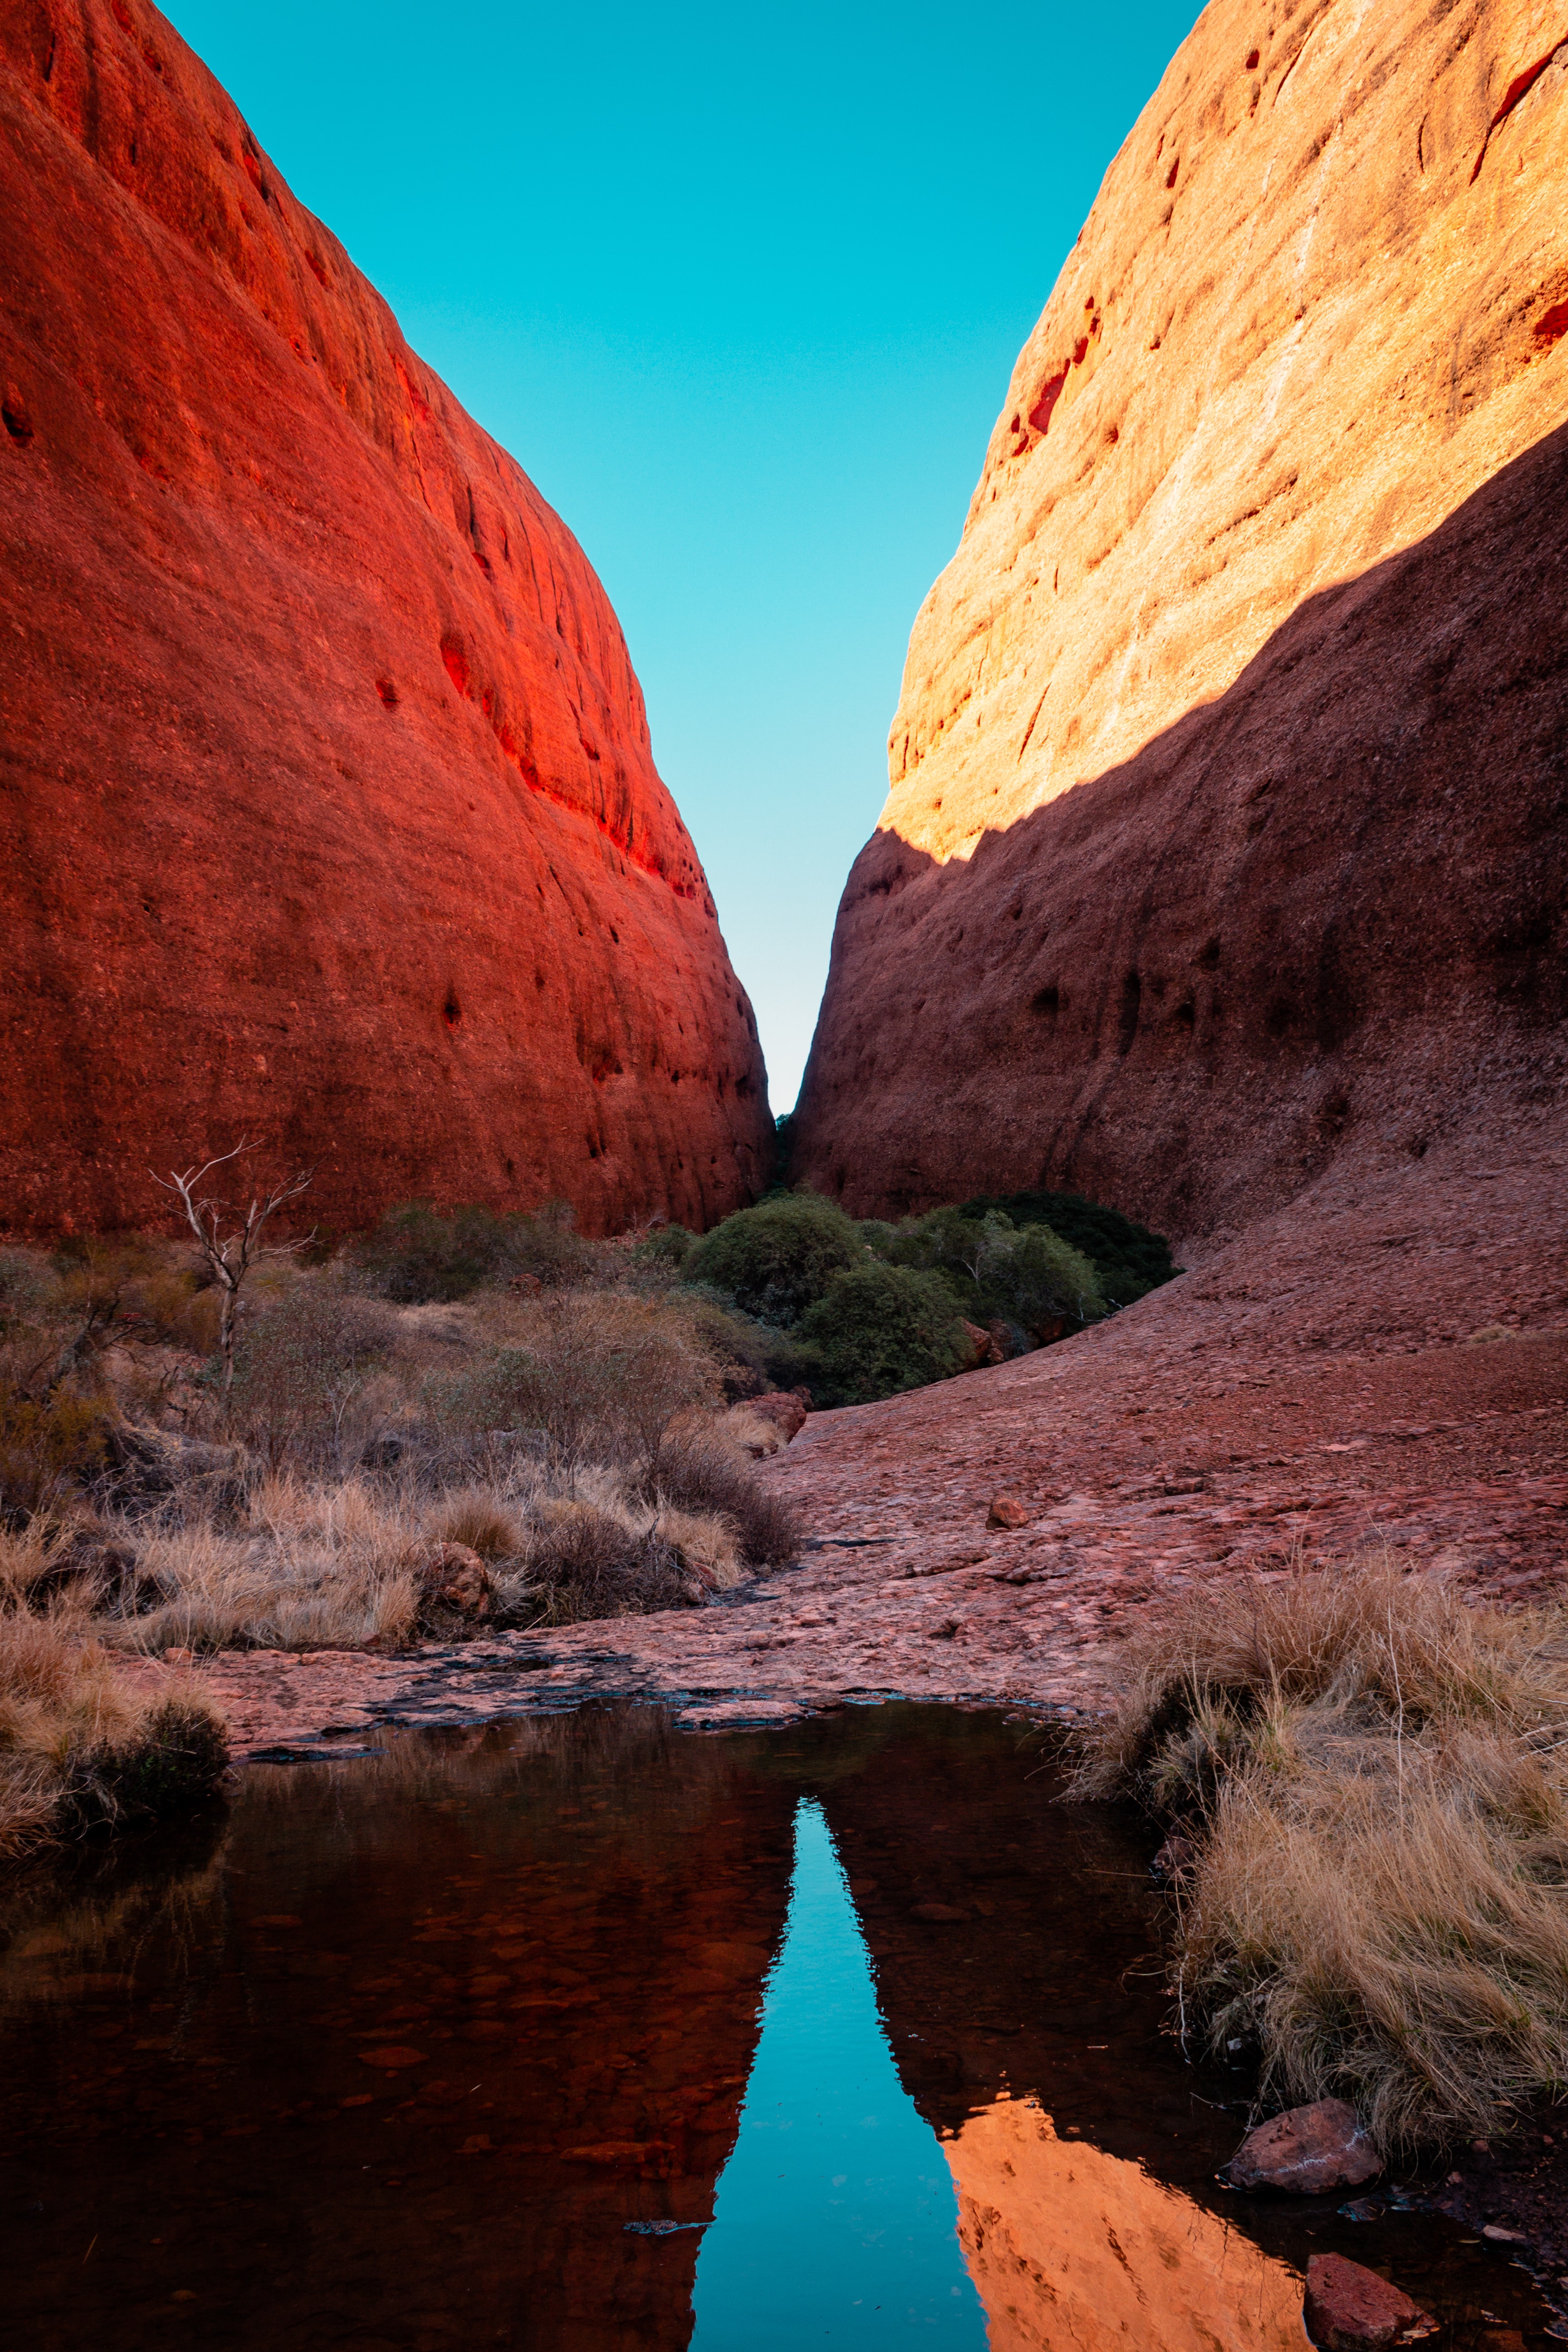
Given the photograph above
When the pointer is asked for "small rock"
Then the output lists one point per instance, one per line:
(525, 1281)
(1306, 2150)
(1350, 2309)
(1502, 2237)
(1007, 1511)
(453, 1582)
(938, 1913)
(179, 1657)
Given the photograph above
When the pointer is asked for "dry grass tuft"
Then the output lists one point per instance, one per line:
(1376, 1778)
(78, 1742)
(476, 1516)
(702, 1469)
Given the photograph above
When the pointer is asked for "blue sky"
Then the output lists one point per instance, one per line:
(741, 288)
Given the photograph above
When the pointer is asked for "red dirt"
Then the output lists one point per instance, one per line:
(327, 808)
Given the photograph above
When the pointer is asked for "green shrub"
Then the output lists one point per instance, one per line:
(1036, 1278)
(666, 1245)
(880, 1328)
(774, 1260)
(749, 1356)
(993, 1270)
(1129, 1258)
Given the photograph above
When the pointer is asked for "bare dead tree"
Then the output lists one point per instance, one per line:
(230, 1256)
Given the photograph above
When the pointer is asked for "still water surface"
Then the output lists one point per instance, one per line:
(580, 2032)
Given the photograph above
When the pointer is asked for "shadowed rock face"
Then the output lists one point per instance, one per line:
(327, 803)
(1226, 832)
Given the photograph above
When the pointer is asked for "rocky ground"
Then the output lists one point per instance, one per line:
(1386, 1362)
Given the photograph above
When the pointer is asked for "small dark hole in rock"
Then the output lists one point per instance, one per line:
(18, 425)
(388, 691)
(451, 1012)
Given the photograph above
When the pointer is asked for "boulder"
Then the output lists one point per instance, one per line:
(988, 1348)
(1305, 2151)
(1351, 2309)
(785, 1409)
(395, 878)
(1008, 1511)
(453, 1582)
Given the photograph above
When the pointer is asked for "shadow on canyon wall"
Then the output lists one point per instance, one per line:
(1324, 911)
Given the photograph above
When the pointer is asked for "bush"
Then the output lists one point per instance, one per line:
(1032, 1277)
(588, 1562)
(669, 1246)
(598, 1377)
(300, 1365)
(700, 1471)
(774, 1260)
(882, 1328)
(417, 1255)
(1128, 1257)
(48, 1446)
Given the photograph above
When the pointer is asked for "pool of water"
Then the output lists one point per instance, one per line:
(582, 2031)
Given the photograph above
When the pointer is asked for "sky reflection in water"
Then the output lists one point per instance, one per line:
(835, 2218)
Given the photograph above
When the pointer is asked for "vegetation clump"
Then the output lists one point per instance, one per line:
(1373, 1779)
(879, 1328)
(79, 1743)
(778, 1259)
(1129, 1260)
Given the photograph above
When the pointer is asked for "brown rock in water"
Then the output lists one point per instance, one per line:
(1350, 2309)
(1305, 2151)
(327, 812)
(1227, 833)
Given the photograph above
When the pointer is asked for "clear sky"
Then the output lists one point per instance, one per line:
(741, 287)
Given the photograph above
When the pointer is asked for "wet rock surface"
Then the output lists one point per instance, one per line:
(1351, 2309)
(1306, 2150)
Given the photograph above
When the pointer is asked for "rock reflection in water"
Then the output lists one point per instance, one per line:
(1075, 2251)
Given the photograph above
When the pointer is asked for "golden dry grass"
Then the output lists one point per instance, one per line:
(75, 1733)
(1376, 1778)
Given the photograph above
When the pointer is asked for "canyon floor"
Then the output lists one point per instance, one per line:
(1385, 1362)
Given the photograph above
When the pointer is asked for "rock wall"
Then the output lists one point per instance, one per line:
(328, 812)
(1226, 829)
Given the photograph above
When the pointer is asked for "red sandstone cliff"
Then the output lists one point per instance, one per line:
(327, 805)
(1226, 831)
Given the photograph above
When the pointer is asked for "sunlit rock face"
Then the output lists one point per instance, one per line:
(1225, 831)
(1075, 2251)
(327, 808)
